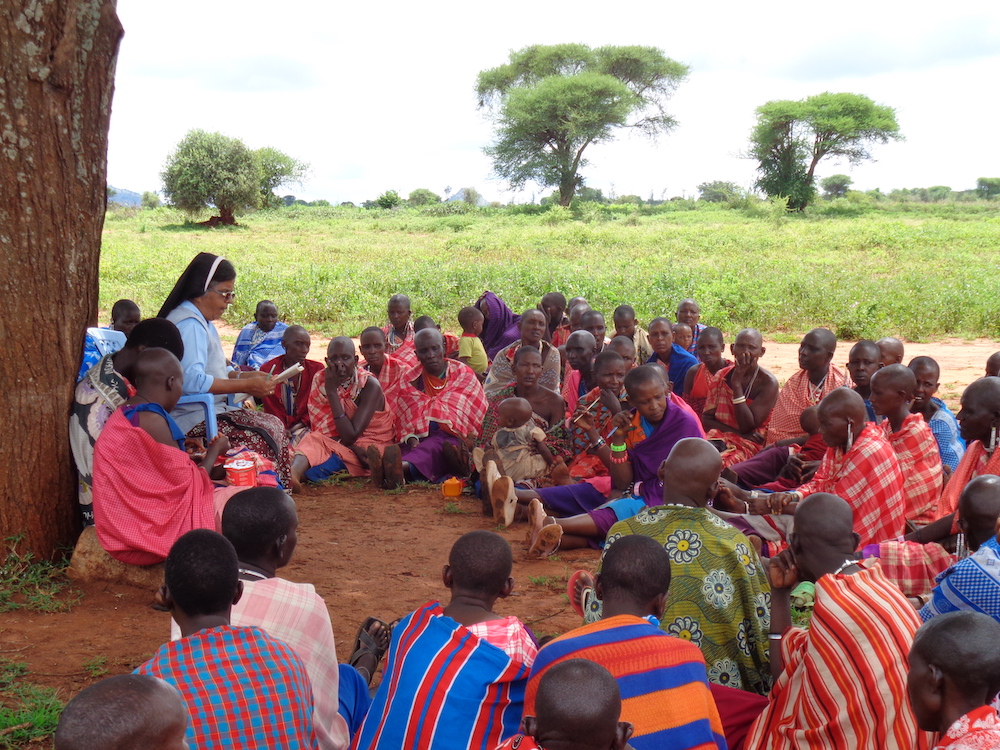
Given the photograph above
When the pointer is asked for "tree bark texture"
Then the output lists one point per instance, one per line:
(57, 65)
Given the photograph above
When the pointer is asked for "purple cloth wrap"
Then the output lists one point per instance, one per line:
(427, 456)
(501, 328)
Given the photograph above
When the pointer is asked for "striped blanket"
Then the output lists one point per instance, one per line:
(443, 689)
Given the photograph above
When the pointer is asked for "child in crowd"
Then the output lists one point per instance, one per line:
(485, 658)
(993, 365)
(954, 676)
(520, 443)
(624, 347)
(683, 335)
(626, 325)
(470, 348)
(260, 340)
(125, 315)
(124, 712)
(578, 706)
(711, 353)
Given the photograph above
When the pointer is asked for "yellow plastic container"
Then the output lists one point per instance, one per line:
(452, 488)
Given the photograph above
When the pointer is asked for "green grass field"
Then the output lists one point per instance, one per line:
(917, 270)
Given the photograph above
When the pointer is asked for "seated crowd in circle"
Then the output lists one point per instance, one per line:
(712, 491)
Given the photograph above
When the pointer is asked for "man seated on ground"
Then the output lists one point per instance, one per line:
(125, 316)
(719, 598)
(841, 683)
(581, 348)
(664, 679)
(389, 370)
(993, 365)
(271, 704)
(440, 406)
(261, 523)
(557, 331)
(954, 677)
(577, 707)
(348, 416)
(739, 403)
(399, 331)
(288, 402)
(891, 351)
(641, 440)
(862, 363)
(860, 466)
(147, 490)
(668, 355)
(532, 328)
(909, 435)
(260, 340)
(626, 325)
(689, 313)
(473, 662)
(624, 348)
(972, 583)
(103, 389)
(593, 322)
(124, 712)
(936, 413)
(816, 378)
(698, 380)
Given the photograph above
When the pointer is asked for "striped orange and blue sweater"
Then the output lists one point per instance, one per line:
(663, 681)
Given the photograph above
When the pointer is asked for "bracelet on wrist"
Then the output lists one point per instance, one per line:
(774, 636)
(598, 444)
(619, 448)
(619, 459)
(740, 400)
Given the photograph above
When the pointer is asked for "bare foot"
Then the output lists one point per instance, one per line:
(296, 485)
(375, 466)
(392, 467)
(560, 473)
(757, 542)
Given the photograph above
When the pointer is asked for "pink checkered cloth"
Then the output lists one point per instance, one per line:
(794, 398)
(459, 408)
(910, 565)
(920, 461)
(869, 479)
(510, 636)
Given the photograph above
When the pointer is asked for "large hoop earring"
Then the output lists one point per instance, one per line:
(993, 439)
(850, 435)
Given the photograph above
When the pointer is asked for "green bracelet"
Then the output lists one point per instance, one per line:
(618, 447)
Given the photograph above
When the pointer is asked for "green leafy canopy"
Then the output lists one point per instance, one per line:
(550, 103)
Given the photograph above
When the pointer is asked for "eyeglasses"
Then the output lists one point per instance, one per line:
(227, 296)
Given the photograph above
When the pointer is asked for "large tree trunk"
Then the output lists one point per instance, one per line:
(57, 62)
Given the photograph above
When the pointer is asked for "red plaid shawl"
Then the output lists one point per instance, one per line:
(974, 463)
(868, 477)
(458, 409)
(720, 398)
(795, 398)
(920, 461)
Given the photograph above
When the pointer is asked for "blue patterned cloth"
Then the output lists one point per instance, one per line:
(680, 361)
(242, 689)
(972, 584)
(945, 428)
(254, 347)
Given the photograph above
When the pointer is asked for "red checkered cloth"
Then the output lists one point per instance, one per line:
(913, 566)
(868, 477)
(720, 400)
(510, 636)
(796, 396)
(974, 463)
(390, 378)
(288, 402)
(920, 461)
(458, 409)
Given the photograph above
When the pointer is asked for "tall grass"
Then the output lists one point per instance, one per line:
(912, 273)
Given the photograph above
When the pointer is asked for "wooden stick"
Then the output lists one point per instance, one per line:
(587, 410)
(10, 730)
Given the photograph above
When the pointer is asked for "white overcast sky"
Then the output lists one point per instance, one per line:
(380, 95)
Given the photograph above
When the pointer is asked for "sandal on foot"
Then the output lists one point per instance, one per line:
(504, 501)
(366, 645)
(576, 600)
(536, 520)
(392, 467)
(486, 480)
(546, 542)
(375, 466)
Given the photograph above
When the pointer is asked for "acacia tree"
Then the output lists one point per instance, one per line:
(275, 169)
(549, 103)
(791, 137)
(57, 62)
(836, 185)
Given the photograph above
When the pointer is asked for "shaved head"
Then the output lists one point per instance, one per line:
(963, 646)
(578, 705)
(624, 346)
(928, 363)
(845, 403)
(993, 365)
(891, 350)
(825, 338)
(751, 335)
(340, 345)
(154, 364)
(979, 508)
(896, 378)
(400, 299)
(692, 469)
(294, 331)
(582, 338)
(824, 536)
(985, 392)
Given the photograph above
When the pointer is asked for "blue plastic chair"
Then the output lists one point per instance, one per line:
(106, 340)
(207, 402)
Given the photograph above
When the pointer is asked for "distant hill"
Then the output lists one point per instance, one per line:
(125, 197)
